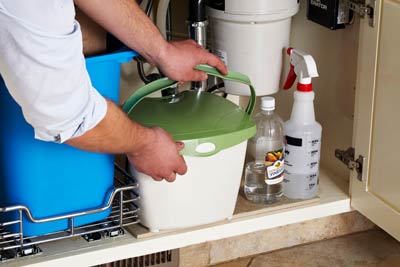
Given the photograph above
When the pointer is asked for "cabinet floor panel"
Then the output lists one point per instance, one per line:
(333, 199)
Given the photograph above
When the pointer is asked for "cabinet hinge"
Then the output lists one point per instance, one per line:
(347, 157)
(363, 9)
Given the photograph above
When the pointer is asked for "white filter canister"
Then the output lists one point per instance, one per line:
(253, 41)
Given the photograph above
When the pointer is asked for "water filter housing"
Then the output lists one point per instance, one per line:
(251, 37)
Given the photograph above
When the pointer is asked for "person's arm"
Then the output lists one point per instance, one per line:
(42, 63)
(129, 23)
(150, 150)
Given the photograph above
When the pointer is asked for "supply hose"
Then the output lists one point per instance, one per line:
(147, 78)
(161, 18)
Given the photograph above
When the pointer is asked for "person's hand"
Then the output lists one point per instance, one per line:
(160, 157)
(178, 59)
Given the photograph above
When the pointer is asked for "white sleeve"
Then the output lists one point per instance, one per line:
(46, 74)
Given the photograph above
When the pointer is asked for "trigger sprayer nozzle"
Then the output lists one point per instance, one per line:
(291, 78)
(303, 66)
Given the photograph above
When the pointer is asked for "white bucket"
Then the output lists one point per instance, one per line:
(207, 193)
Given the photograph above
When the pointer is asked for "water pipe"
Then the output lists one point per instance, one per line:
(197, 23)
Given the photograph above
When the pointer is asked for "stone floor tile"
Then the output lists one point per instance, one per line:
(287, 236)
(368, 249)
(237, 263)
(195, 256)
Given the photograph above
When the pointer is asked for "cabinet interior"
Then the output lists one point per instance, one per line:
(335, 53)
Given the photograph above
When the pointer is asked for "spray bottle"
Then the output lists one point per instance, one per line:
(303, 133)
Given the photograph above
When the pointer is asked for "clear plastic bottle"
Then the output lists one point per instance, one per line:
(302, 151)
(264, 174)
(303, 132)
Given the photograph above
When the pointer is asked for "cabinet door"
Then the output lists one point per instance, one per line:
(377, 119)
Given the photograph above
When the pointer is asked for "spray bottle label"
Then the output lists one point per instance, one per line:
(302, 154)
(274, 167)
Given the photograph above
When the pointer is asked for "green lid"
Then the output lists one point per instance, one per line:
(205, 122)
(196, 118)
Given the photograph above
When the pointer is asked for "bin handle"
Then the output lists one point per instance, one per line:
(165, 83)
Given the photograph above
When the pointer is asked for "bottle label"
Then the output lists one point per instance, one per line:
(302, 155)
(274, 167)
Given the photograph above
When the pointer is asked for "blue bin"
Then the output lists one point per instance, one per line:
(55, 179)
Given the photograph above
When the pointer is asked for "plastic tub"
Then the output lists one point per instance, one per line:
(215, 133)
(53, 179)
(207, 193)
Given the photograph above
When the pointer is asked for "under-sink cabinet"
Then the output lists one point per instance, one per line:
(357, 103)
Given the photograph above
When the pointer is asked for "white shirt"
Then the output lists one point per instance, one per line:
(42, 64)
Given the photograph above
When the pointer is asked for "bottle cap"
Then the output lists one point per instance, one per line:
(267, 103)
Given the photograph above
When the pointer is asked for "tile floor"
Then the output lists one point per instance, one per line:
(366, 249)
(264, 241)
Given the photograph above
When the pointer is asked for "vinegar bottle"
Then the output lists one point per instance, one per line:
(264, 175)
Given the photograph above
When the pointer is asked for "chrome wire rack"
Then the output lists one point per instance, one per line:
(124, 212)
